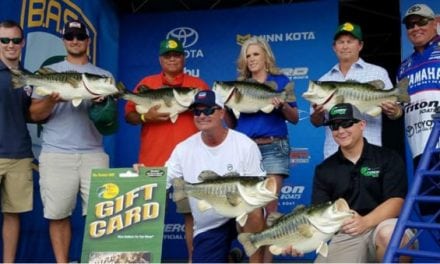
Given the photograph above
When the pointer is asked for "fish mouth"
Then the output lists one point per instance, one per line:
(90, 91)
(328, 98)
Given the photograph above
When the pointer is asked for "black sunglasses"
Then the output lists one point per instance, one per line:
(344, 124)
(206, 111)
(410, 24)
(79, 37)
(14, 40)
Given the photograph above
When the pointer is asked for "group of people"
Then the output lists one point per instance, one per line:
(371, 178)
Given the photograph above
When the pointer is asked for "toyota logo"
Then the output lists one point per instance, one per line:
(186, 35)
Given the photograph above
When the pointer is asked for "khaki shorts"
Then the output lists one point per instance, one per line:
(16, 185)
(63, 176)
(356, 249)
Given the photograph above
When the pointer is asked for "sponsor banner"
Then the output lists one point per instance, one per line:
(125, 216)
(212, 40)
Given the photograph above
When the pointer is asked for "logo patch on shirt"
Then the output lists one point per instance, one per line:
(369, 172)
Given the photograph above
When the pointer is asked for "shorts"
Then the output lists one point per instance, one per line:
(276, 159)
(213, 246)
(17, 186)
(62, 176)
(356, 249)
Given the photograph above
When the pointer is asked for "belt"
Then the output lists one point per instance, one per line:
(267, 140)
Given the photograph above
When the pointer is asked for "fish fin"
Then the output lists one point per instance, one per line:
(121, 87)
(233, 199)
(203, 205)
(272, 84)
(232, 174)
(273, 218)
(305, 230)
(275, 250)
(245, 240)
(207, 175)
(298, 207)
(173, 117)
(18, 78)
(374, 111)
(142, 89)
(141, 109)
(45, 70)
(268, 108)
(290, 92)
(378, 84)
(178, 189)
(76, 101)
(182, 98)
(241, 219)
(402, 87)
(322, 249)
(236, 113)
(42, 91)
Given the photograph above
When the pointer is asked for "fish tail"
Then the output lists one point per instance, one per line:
(290, 92)
(245, 240)
(18, 78)
(402, 88)
(179, 192)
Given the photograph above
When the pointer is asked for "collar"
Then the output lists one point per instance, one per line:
(364, 154)
(360, 63)
(177, 81)
(3, 66)
(435, 39)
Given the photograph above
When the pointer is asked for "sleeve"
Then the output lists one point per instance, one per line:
(386, 79)
(174, 167)
(320, 193)
(395, 180)
(254, 162)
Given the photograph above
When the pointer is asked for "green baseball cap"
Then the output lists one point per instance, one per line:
(350, 28)
(169, 45)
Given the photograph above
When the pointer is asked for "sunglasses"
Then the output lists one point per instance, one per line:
(343, 124)
(206, 111)
(80, 37)
(410, 24)
(14, 40)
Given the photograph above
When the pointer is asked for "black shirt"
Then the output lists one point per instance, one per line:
(378, 175)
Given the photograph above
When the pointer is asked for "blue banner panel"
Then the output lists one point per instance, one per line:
(42, 22)
(302, 45)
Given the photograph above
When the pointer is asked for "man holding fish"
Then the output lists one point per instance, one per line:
(347, 46)
(72, 146)
(160, 132)
(217, 162)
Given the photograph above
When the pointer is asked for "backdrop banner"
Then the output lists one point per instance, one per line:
(302, 44)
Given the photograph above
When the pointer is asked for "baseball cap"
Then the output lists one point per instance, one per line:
(419, 10)
(75, 27)
(207, 98)
(350, 28)
(344, 111)
(170, 44)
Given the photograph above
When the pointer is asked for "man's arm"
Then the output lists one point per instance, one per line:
(41, 109)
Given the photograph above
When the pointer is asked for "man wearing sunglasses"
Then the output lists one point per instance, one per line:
(72, 146)
(371, 179)
(424, 87)
(15, 143)
(222, 150)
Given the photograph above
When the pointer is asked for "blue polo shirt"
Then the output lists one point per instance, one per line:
(15, 142)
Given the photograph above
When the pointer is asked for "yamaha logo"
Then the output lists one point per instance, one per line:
(186, 35)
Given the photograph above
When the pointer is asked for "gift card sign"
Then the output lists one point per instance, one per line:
(125, 216)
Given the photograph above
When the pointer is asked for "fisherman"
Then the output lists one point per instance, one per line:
(159, 135)
(72, 146)
(372, 179)
(421, 28)
(223, 151)
(15, 143)
(347, 45)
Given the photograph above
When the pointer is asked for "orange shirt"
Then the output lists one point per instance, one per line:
(158, 140)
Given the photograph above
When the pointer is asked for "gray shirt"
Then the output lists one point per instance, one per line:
(69, 129)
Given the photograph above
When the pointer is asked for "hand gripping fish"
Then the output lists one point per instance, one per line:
(306, 229)
(230, 195)
(367, 97)
(251, 97)
(171, 100)
(72, 86)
